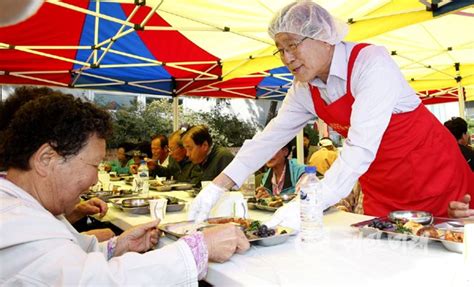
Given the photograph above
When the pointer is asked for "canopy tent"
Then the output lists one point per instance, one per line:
(435, 57)
(173, 47)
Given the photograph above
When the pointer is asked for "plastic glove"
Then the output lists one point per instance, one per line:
(138, 239)
(204, 201)
(287, 216)
(223, 241)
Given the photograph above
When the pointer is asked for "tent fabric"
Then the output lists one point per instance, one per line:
(187, 47)
(59, 46)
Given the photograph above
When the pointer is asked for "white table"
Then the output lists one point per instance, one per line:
(342, 258)
(124, 220)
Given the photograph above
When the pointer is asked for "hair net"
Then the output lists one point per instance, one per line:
(308, 19)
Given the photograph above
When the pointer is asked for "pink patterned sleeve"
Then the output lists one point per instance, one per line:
(198, 247)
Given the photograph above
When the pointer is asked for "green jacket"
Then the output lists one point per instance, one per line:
(183, 171)
(216, 161)
(118, 168)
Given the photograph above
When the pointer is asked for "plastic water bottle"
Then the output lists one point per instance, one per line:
(311, 206)
(143, 177)
(248, 187)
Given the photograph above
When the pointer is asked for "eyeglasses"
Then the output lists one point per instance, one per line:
(290, 49)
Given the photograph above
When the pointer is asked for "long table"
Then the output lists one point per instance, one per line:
(342, 258)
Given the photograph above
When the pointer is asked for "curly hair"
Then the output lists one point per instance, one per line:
(39, 116)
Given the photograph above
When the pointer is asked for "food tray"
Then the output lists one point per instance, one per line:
(440, 223)
(265, 207)
(117, 202)
(145, 209)
(177, 230)
(182, 186)
(108, 194)
(160, 188)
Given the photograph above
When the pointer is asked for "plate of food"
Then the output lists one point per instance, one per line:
(254, 231)
(436, 229)
(267, 204)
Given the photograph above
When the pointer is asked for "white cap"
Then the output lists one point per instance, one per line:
(308, 19)
(325, 142)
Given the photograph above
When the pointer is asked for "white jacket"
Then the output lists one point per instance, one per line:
(37, 248)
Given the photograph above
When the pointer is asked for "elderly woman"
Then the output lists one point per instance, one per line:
(46, 139)
(401, 154)
(281, 176)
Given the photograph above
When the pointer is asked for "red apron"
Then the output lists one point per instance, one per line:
(418, 165)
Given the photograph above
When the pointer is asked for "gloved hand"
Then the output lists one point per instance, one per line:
(287, 216)
(223, 241)
(204, 201)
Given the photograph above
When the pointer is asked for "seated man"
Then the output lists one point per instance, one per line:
(458, 127)
(281, 176)
(324, 157)
(160, 152)
(134, 163)
(201, 151)
(49, 136)
(179, 167)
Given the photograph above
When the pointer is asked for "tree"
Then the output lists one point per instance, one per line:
(136, 124)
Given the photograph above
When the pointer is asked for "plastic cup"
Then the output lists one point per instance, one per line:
(158, 208)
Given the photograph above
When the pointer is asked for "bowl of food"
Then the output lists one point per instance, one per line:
(421, 217)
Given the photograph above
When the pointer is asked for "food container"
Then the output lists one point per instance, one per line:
(177, 230)
(182, 186)
(161, 188)
(421, 217)
(440, 224)
(135, 202)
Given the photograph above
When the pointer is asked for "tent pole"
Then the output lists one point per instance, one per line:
(461, 101)
(299, 147)
(175, 114)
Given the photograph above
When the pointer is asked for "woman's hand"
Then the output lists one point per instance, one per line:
(459, 209)
(138, 239)
(90, 207)
(261, 192)
(223, 241)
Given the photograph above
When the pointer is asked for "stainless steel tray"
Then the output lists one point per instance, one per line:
(117, 202)
(440, 223)
(179, 229)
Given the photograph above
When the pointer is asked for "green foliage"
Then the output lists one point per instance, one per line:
(313, 135)
(135, 124)
(226, 129)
